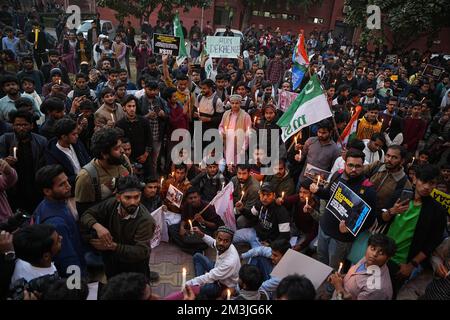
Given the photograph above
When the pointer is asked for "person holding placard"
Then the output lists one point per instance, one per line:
(335, 240)
(179, 180)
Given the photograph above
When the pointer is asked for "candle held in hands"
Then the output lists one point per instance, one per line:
(183, 278)
(340, 267)
(228, 294)
(307, 200)
(15, 152)
(242, 196)
(190, 224)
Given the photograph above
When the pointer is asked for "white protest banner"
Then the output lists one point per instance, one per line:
(294, 262)
(161, 233)
(286, 99)
(223, 203)
(223, 47)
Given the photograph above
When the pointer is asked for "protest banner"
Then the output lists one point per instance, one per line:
(165, 44)
(294, 262)
(391, 58)
(286, 99)
(442, 198)
(348, 206)
(223, 47)
(175, 196)
(313, 173)
(161, 232)
(434, 71)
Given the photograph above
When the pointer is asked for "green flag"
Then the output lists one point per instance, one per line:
(309, 107)
(178, 32)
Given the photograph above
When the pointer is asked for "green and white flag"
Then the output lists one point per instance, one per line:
(178, 32)
(309, 107)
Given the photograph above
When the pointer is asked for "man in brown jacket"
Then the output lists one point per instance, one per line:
(123, 229)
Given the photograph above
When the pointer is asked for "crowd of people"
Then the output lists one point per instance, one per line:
(86, 157)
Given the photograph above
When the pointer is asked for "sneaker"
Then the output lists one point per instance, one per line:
(154, 276)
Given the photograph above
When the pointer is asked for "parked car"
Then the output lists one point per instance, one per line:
(106, 28)
(221, 31)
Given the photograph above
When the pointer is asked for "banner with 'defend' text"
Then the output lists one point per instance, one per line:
(223, 47)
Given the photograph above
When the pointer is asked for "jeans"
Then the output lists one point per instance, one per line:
(247, 235)
(156, 148)
(331, 251)
(203, 265)
(264, 265)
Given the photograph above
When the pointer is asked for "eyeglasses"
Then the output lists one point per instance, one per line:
(354, 166)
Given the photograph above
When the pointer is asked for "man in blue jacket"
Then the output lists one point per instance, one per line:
(56, 211)
(66, 150)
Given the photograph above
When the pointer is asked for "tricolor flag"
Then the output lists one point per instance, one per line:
(300, 62)
(350, 130)
(178, 32)
(309, 107)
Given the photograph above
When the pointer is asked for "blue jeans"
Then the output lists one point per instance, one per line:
(264, 265)
(203, 265)
(247, 235)
(331, 251)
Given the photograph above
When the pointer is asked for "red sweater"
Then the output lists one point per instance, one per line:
(413, 132)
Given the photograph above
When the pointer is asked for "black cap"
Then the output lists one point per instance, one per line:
(266, 187)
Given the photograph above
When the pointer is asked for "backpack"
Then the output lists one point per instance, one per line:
(215, 99)
(93, 174)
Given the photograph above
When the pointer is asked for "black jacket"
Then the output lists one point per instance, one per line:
(271, 223)
(430, 228)
(38, 144)
(208, 186)
(55, 156)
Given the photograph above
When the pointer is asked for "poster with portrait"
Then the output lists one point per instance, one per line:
(175, 196)
(348, 206)
(316, 174)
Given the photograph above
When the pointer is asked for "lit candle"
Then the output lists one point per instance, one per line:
(307, 200)
(112, 117)
(340, 267)
(228, 294)
(162, 180)
(242, 195)
(15, 152)
(173, 174)
(256, 120)
(282, 195)
(334, 82)
(256, 97)
(232, 88)
(183, 278)
(295, 140)
(318, 180)
(190, 224)
(59, 81)
(413, 159)
(223, 185)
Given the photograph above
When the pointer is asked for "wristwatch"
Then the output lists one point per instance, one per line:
(10, 255)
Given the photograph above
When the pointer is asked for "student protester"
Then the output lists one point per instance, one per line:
(56, 210)
(214, 278)
(296, 287)
(357, 284)
(417, 227)
(123, 229)
(335, 240)
(269, 221)
(200, 214)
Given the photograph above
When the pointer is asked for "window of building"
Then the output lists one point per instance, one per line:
(223, 16)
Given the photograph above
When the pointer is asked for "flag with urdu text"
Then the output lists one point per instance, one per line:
(309, 107)
(178, 32)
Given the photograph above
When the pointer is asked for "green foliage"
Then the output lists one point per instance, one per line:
(142, 9)
(407, 19)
